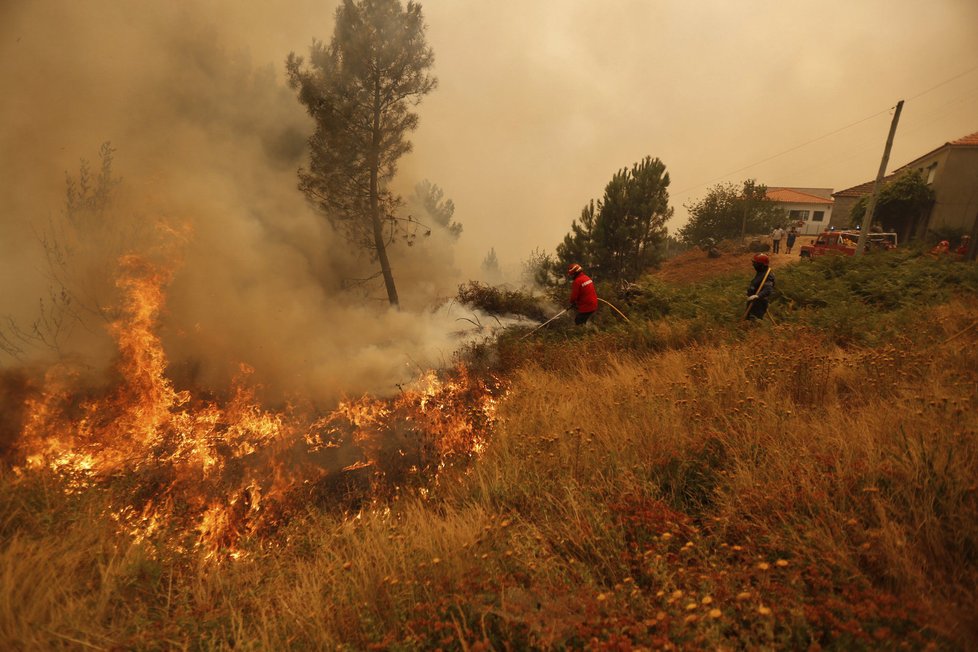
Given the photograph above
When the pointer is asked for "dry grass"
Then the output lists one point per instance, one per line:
(780, 492)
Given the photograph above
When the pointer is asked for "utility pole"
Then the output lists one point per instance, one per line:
(868, 217)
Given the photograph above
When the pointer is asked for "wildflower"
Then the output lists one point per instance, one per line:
(715, 613)
(781, 563)
(744, 595)
(436, 561)
(763, 566)
(347, 566)
(691, 606)
(707, 600)
(602, 597)
(666, 536)
(692, 618)
(764, 611)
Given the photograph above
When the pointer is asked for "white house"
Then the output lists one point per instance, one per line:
(809, 209)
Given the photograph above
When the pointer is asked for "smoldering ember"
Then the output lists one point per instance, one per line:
(373, 324)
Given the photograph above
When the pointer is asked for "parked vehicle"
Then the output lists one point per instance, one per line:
(843, 243)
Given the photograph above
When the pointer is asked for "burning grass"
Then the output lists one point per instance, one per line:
(209, 473)
(772, 488)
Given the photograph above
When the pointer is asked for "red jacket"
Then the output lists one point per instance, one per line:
(583, 295)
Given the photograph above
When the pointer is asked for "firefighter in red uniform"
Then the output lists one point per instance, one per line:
(583, 297)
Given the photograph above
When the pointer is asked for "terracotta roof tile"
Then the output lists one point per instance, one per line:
(971, 139)
(867, 188)
(964, 141)
(792, 196)
(862, 189)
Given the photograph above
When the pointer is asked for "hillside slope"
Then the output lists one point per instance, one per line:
(694, 265)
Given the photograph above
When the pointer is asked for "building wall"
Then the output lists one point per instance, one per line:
(841, 211)
(810, 226)
(956, 187)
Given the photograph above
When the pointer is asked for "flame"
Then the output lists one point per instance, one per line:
(212, 473)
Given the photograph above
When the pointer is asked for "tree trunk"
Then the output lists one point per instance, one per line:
(378, 228)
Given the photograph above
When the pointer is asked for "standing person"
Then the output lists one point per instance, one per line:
(583, 298)
(776, 236)
(761, 287)
(790, 242)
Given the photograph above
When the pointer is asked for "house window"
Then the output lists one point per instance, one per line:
(818, 216)
(931, 171)
(798, 215)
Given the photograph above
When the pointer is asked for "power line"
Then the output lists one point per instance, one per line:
(946, 81)
(824, 136)
(791, 149)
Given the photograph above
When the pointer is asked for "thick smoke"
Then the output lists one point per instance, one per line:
(207, 141)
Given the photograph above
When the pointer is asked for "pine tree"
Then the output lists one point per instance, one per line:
(430, 200)
(360, 90)
(618, 237)
(490, 266)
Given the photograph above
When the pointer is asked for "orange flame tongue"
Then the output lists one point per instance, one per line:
(146, 394)
(222, 472)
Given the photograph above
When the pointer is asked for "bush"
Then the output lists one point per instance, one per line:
(499, 301)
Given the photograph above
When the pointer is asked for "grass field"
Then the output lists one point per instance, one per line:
(682, 481)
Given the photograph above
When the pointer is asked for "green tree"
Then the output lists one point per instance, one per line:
(902, 205)
(728, 212)
(429, 200)
(360, 90)
(578, 245)
(619, 236)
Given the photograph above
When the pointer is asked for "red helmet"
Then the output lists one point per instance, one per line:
(945, 243)
(762, 259)
(574, 268)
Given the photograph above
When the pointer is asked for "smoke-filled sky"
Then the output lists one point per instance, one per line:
(538, 104)
(541, 102)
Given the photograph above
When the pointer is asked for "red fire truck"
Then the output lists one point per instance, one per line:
(843, 243)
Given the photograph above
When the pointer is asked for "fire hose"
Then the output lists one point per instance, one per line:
(543, 324)
(616, 310)
(620, 313)
(750, 303)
